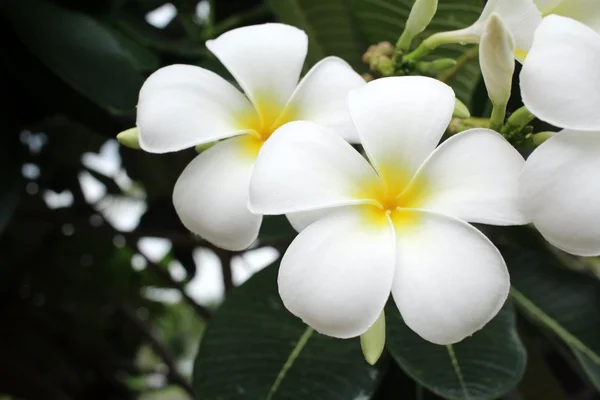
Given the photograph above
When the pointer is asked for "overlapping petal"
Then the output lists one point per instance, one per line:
(560, 190)
(473, 176)
(211, 195)
(450, 279)
(400, 120)
(266, 60)
(304, 166)
(322, 96)
(545, 6)
(560, 80)
(586, 11)
(181, 106)
(337, 274)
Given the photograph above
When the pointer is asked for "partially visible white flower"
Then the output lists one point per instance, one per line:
(521, 17)
(585, 11)
(399, 226)
(496, 56)
(560, 184)
(182, 106)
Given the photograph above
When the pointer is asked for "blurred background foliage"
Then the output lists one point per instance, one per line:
(104, 294)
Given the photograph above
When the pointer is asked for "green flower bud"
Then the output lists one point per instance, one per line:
(130, 138)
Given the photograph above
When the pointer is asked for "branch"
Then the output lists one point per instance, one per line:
(173, 375)
(225, 257)
(166, 277)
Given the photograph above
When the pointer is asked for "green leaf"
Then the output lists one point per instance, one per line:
(383, 20)
(484, 366)
(81, 51)
(556, 298)
(254, 348)
(329, 26)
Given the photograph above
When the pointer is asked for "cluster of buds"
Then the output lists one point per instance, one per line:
(379, 57)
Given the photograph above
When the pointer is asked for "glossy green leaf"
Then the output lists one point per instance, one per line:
(564, 301)
(254, 348)
(329, 25)
(92, 61)
(383, 20)
(484, 366)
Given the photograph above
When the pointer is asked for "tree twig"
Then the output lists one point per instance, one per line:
(166, 277)
(173, 375)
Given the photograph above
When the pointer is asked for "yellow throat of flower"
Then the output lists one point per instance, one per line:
(393, 199)
(268, 116)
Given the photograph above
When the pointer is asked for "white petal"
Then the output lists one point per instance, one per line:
(337, 274)
(211, 195)
(586, 11)
(560, 191)
(266, 60)
(560, 79)
(472, 176)
(400, 120)
(181, 106)
(302, 219)
(322, 96)
(520, 16)
(304, 166)
(450, 279)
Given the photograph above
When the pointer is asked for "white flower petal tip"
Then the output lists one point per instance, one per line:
(560, 79)
(474, 176)
(336, 276)
(181, 106)
(400, 120)
(322, 96)
(560, 191)
(450, 279)
(211, 196)
(303, 167)
(266, 60)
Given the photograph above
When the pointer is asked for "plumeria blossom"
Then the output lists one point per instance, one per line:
(560, 184)
(521, 18)
(400, 225)
(182, 106)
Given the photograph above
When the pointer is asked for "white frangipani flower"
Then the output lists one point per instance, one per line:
(560, 184)
(181, 106)
(521, 17)
(399, 226)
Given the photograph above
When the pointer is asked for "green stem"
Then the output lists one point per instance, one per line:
(404, 41)
(497, 117)
(434, 41)
(468, 55)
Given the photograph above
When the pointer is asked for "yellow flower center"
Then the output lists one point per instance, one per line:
(393, 199)
(262, 122)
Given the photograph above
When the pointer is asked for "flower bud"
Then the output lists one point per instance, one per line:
(496, 57)
(130, 138)
(460, 110)
(420, 16)
(372, 341)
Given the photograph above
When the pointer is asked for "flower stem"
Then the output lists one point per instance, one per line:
(461, 36)
(497, 117)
